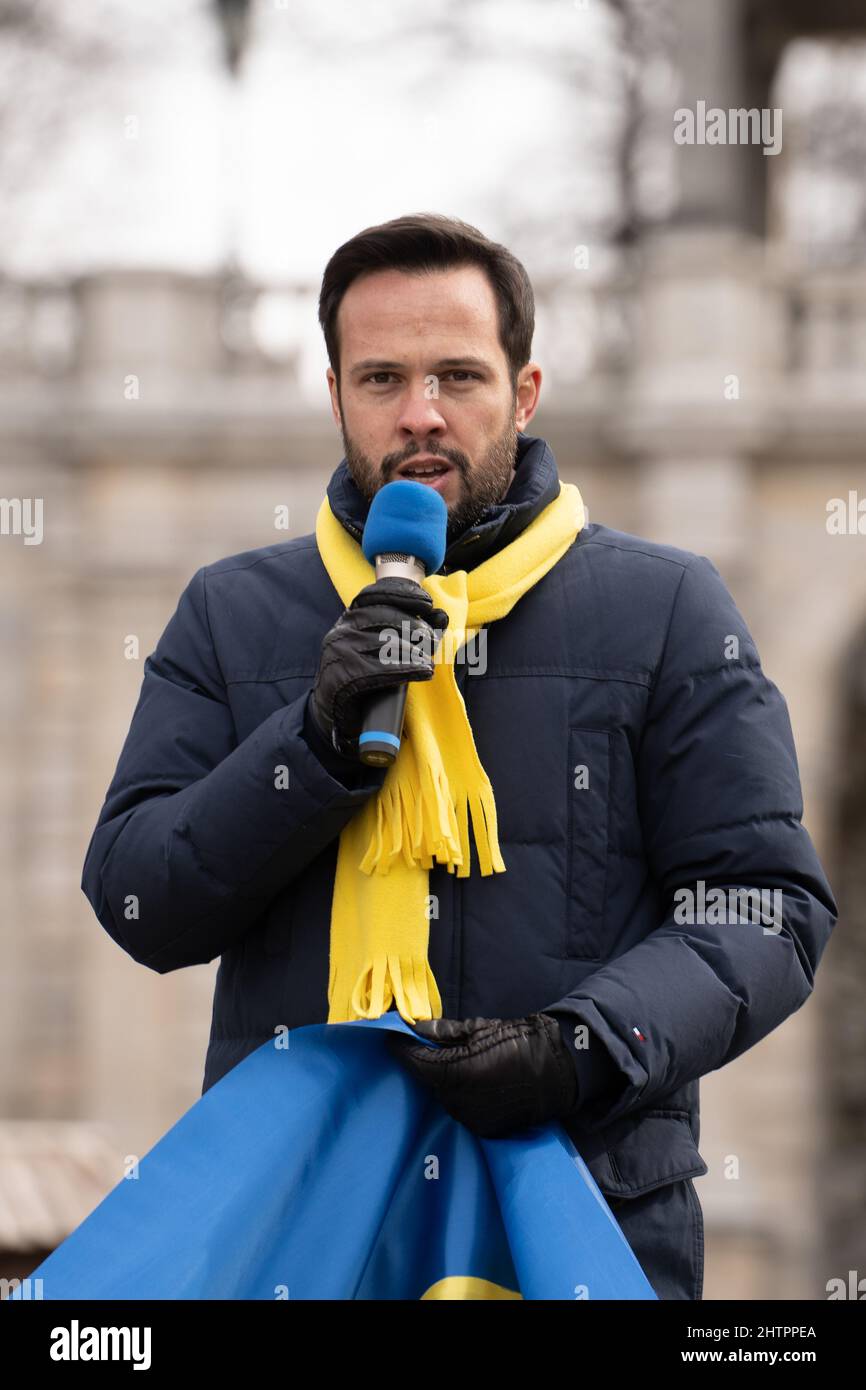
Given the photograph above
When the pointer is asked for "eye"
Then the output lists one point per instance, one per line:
(461, 372)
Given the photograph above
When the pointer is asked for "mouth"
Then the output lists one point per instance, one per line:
(429, 469)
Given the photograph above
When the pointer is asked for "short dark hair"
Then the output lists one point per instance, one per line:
(425, 242)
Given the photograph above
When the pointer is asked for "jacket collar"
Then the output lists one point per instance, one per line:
(535, 484)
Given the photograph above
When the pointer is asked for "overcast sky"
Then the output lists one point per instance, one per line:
(154, 156)
(123, 141)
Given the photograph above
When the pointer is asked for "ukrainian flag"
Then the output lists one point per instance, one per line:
(319, 1169)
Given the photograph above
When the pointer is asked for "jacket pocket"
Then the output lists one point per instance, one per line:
(659, 1149)
(646, 1176)
(589, 764)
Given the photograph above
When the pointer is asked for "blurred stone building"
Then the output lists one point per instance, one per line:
(709, 394)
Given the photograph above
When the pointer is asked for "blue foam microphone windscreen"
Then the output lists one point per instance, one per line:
(407, 518)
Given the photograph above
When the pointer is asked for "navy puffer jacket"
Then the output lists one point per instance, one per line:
(631, 756)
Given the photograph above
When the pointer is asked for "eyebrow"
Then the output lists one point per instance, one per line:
(374, 363)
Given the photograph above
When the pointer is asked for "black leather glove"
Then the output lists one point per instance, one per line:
(351, 664)
(495, 1076)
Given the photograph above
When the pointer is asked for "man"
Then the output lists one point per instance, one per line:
(641, 763)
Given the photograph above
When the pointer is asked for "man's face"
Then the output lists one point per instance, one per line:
(423, 374)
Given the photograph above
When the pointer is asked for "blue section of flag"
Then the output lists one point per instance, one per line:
(320, 1169)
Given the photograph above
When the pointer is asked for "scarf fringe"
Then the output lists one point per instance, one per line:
(390, 978)
(423, 824)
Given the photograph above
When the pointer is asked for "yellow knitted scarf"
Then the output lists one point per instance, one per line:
(380, 918)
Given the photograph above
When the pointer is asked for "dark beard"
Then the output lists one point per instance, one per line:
(483, 486)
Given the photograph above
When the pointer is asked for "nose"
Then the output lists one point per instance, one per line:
(420, 416)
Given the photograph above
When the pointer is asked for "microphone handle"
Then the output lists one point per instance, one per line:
(382, 728)
(379, 741)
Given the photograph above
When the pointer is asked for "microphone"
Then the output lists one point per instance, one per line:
(404, 537)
